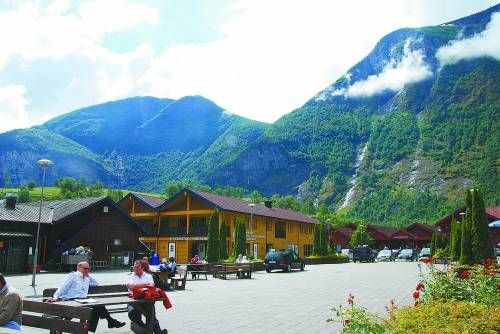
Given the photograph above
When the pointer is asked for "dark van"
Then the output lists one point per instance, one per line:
(285, 260)
(363, 253)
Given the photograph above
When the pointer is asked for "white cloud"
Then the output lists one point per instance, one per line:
(270, 56)
(13, 107)
(396, 74)
(483, 44)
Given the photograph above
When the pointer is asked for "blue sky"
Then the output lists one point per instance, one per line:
(258, 59)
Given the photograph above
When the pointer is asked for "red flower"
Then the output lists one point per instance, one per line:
(415, 304)
(416, 294)
(346, 322)
(420, 286)
(465, 274)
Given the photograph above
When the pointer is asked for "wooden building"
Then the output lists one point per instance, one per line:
(178, 227)
(413, 236)
(97, 222)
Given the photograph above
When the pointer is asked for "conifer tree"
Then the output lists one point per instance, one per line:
(223, 240)
(239, 242)
(213, 238)
(317, 240)
(465, 244)
(455, 237)
(433, 243)
(360, 236)
(323, 247)
(480, 241)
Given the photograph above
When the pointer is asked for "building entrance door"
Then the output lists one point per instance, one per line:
(201, 250)
(171, 249)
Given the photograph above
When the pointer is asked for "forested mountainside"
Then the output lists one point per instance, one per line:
(395, 140)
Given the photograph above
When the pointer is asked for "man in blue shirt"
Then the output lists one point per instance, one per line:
(77, 286)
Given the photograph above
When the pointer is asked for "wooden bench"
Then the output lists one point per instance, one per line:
(197, 270)
(100, 291)
(241, 270)
(56, 318)
(178, 282)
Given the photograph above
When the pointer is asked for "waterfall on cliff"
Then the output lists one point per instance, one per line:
(354, 179)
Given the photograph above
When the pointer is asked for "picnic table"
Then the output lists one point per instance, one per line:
(57, 317)
(198, 269)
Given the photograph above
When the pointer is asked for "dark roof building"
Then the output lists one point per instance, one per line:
(96, 222)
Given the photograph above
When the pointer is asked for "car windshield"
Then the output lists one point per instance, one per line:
(384, 252)
(425, 251)
(406, 251)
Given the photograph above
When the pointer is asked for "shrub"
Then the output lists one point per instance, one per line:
(444, 317)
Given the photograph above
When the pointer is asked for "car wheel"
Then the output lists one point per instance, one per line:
(288, 268)
(302, 267)
(268, 270)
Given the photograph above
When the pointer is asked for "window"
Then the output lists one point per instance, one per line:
(280, 230)
(290, 227)
(151, 245)
(308, 249)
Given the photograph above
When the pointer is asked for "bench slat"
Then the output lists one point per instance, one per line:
(55, 324)
(93, 290)
(63, 311)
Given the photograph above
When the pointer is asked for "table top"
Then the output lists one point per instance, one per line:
(107, 300)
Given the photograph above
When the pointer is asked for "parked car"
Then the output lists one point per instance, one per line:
(384, 255)
(285, 260)
(363, 253)
(424, 253)
(395, 253)
(407, 254)
(347, 252)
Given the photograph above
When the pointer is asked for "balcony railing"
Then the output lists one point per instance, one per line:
(194, 231)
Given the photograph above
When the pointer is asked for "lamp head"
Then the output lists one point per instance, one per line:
(44, 162)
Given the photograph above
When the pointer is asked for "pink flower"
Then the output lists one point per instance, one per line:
(350, 299)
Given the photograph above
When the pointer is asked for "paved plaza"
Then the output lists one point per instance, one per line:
(297, 302)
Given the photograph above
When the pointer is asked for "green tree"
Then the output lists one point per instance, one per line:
(213, 238)
(256, 197)
(223, 240)
(323, 246)
(317, 239)
(433, 243)
(466, 256)
(360, 236)
(480, 240)
(23, 195)
(455, 237)
(115, 194)
(31, 185)
(239, 241)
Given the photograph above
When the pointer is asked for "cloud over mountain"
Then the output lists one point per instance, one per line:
(395, 75)
(482, 44)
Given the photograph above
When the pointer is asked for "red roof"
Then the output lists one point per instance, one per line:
(237, 205)
(493, 212)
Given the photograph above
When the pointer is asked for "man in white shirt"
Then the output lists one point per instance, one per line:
(141, 279)
(77, 286)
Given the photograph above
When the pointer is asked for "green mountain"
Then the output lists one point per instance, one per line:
(395, 140)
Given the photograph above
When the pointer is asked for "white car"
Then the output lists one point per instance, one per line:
(384, 255)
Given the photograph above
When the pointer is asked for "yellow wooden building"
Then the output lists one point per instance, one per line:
(178, 227)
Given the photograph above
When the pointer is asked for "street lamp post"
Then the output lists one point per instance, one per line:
(45, 163)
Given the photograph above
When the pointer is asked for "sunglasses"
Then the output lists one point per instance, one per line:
(85, 268)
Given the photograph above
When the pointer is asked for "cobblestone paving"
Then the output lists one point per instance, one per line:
(297, 302)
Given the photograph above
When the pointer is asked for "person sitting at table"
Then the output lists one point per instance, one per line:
(172, 266)
(77, 285)
(145, 265)
(239, 259)
(244, 259)
(140, 279)
(196, 260)
(11, 306)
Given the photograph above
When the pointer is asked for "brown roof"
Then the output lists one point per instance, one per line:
(153, 202)
(238, 205)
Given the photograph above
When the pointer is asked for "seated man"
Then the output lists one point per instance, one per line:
(77, 286)
(11, 306)
(140, 279)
